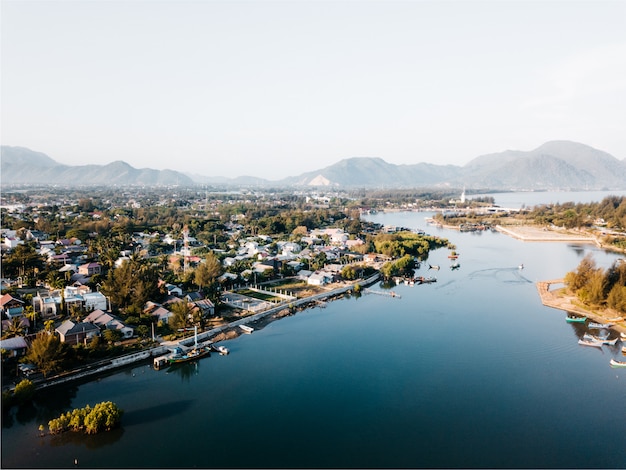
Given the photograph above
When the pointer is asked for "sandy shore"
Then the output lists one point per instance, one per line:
(531, 233)
(559, 299)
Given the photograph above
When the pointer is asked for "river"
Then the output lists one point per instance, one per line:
(471, 371)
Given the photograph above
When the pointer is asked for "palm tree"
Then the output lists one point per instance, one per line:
(14, 328)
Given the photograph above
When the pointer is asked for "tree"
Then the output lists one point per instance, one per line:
(48, 353)
(14, 328)
(206, 273)
(182, 315)
(575, 280)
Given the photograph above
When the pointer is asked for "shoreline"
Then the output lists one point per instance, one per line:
(559, 300)
(225, 332)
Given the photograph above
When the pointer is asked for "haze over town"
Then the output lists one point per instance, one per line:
(273, 89)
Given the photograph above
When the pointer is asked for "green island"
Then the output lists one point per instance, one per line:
(102, 416)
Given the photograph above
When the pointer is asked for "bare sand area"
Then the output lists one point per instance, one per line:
(558, 298)
(535, 233)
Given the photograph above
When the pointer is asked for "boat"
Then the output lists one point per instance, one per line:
(223, 350)
(611, 342)
(569, 319)
(194, 353)
(586, 342)
(615, 364)
(246, 329)
(434, 266)
(600, 325)
(521, 266)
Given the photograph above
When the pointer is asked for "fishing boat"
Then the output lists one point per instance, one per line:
(599, 325)
(586, 342)
(615, 364)
(246, 329)
(194, 353)
(569, 319)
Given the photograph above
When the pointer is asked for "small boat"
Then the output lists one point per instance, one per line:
(586, 342)
(246, 329)
(569, 319)
(600, 325)
(223, 350)
(453, 256)
(434, 266)
(611, 342)
(614, 319)
(521, 266)
(615, 364)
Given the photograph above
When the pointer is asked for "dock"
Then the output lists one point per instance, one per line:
(380, 292)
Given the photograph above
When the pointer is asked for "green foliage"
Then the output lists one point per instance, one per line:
(48, 353)
(595, 286)
(103, 416)
(24, 391)
(407, 243)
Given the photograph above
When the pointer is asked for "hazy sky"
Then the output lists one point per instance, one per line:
(274, 89)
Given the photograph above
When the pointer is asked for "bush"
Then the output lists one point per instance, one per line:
(103, 416)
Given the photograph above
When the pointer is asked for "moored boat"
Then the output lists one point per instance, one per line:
(616, 364)
(611, 342)
(194, 353)
(586, 342)
(246, 329)
(600, 325)
(223, 350)
(569, 319)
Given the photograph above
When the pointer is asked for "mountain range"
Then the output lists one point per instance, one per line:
(562, 165)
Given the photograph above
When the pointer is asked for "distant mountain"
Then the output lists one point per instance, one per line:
(375, 173)
(562, 165)
(554, 165)
(20, 165)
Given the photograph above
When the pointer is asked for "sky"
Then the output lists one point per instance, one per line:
(276, 89)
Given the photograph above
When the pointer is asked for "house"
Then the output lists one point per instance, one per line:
(89, 269)
(206, 307)
(12, 242)
(11, 307)
(74, 333)
(106, 321)
(319, 278)
(16, 346)
(173, 290)
(158, 311)
(94, 301)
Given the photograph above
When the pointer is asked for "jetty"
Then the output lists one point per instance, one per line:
(382, 292)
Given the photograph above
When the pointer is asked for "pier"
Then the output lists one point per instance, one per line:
(381, 292)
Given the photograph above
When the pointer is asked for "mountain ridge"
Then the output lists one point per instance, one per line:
(557, 164)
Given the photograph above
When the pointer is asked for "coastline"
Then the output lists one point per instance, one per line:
(559, 300)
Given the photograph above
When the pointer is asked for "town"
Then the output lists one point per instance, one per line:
(89, 275)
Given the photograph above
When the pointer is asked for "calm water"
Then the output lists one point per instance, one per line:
(471, 371)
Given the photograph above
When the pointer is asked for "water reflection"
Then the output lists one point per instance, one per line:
(89, 441)
(185, 370)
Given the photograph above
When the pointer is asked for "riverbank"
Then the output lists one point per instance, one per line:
(214, 335)
(559, 299)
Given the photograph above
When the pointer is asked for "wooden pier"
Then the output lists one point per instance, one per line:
(380, 292)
